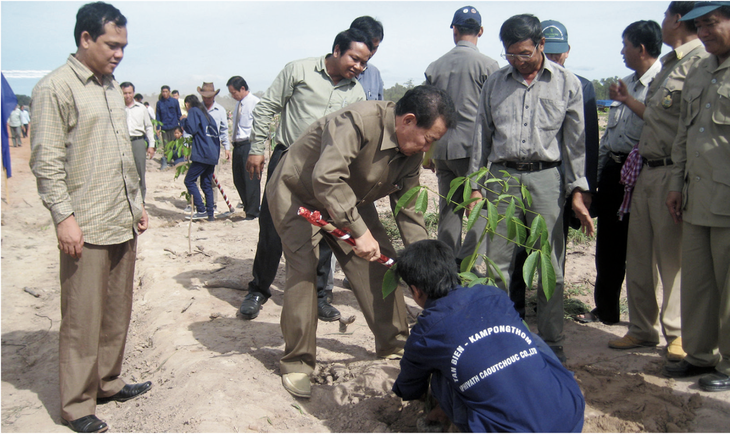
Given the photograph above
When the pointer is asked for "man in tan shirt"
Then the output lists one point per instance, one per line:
(82, 159)
(699, 196)
(654, 241)
(340, 166)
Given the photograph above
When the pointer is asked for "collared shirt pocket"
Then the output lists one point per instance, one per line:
(551, 114)
(691, 97)
(721, 112)
(671, 94)
(720, 204)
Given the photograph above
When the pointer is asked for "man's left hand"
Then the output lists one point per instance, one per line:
(581, 202)
(143, 223)
(228, 155)
(150, 152)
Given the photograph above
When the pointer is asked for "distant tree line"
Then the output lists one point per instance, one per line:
(398, 90)
(23, 99)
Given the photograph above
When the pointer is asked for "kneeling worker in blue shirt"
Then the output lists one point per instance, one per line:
(488, 372)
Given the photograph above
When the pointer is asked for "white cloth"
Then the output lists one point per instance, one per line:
(244, 118)
(139, 123)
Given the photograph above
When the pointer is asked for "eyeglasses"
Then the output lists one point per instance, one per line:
(522, 57)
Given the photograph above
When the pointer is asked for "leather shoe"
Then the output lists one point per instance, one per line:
(129, 391)
(684, 369)
(252, 305)
(297, 384)
(89, 423)
(326, 311)
(675, 353)
(715, 382)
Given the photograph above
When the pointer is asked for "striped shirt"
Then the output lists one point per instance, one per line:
(81, 154)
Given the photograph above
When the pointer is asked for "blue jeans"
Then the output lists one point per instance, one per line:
(205, 173)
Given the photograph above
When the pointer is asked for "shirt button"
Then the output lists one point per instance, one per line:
(697, 178)
(527, 106)
(702, 130)
(525, 123)
(523, 141)
(708, 105)
(714, 80)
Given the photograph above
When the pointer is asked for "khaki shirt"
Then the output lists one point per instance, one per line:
(701, 151)
(623, 130)
(343, 162)
(139, 123)
(542, 121)
(82, 156)
(462, 73)
(302, 92)
(663, 100)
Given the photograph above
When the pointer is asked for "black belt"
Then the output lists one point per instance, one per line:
(658, 163)
(241, 143)
(618, 157)
(137, 137)
(531, 166)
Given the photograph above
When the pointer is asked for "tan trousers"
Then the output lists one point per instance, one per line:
(706, 296)
(654, 244)
(385, 317)
(96, 305)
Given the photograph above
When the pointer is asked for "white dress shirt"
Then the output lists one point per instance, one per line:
(244, 114)
(139, 123)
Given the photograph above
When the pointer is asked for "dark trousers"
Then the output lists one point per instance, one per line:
(611, 238)
(268, 249)
(248, 189)
(205, 173)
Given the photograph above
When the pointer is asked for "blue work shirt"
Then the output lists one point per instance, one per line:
(371, 81)
(168, 112)
(476, 342)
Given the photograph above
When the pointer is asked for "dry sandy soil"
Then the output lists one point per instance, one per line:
(215, 372)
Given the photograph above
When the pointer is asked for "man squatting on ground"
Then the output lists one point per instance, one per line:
(699, 198)
(546, 133)
(654, 241)
(341, 165)
(487, 371)
(82, 159)
(304, 91)
(461, 73)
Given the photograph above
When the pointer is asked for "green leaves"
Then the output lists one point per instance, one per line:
(407, 198)
(390, 282)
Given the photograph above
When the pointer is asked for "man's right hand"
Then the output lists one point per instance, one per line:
(674, 203)
(474, 194)
(255, 165)
(366, 247)
(70, 237)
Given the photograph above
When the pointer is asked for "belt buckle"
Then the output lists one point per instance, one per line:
(522, 167)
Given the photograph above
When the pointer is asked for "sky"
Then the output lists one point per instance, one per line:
(184, 43)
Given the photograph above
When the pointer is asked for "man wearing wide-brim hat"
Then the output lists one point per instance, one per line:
(208, 90)
(216, 111)
(699, 198)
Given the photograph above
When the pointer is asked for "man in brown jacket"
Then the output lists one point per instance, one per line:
(340, 166)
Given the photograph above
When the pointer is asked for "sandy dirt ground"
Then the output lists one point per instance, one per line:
(212, 371)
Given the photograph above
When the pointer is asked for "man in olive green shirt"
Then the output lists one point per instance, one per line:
(83, 162)
(654, 241)
(304, 91)
(699, 196)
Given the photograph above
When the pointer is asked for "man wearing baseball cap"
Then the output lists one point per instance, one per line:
(461, 73)
(557, 50)
(699, 197)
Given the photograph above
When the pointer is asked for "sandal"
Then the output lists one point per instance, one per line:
(586, 318)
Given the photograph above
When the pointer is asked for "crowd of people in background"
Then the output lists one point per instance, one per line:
(657, 181)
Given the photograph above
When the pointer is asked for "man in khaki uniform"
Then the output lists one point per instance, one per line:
(654, 241)
(699, 195)
(340, 166)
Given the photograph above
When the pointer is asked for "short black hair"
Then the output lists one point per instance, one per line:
(471, 27)
(647, 33)
(427, 103)
(520, 28)
(179, 128)
(92, 17)
(127, 84)
(430, 266)
(164, 87)
(683, 8)
(145, 103)
(370, 26)
(237, 82)
(724, 11)
(139, 97)
(175, 92)
(343, 40)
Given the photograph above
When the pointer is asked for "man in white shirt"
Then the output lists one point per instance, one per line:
(249, 189)
(217, 112)
(140, 127)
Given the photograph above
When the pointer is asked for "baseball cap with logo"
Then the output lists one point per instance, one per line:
(463, 14)
(556, 37)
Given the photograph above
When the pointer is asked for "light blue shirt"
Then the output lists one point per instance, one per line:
(372, 83)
